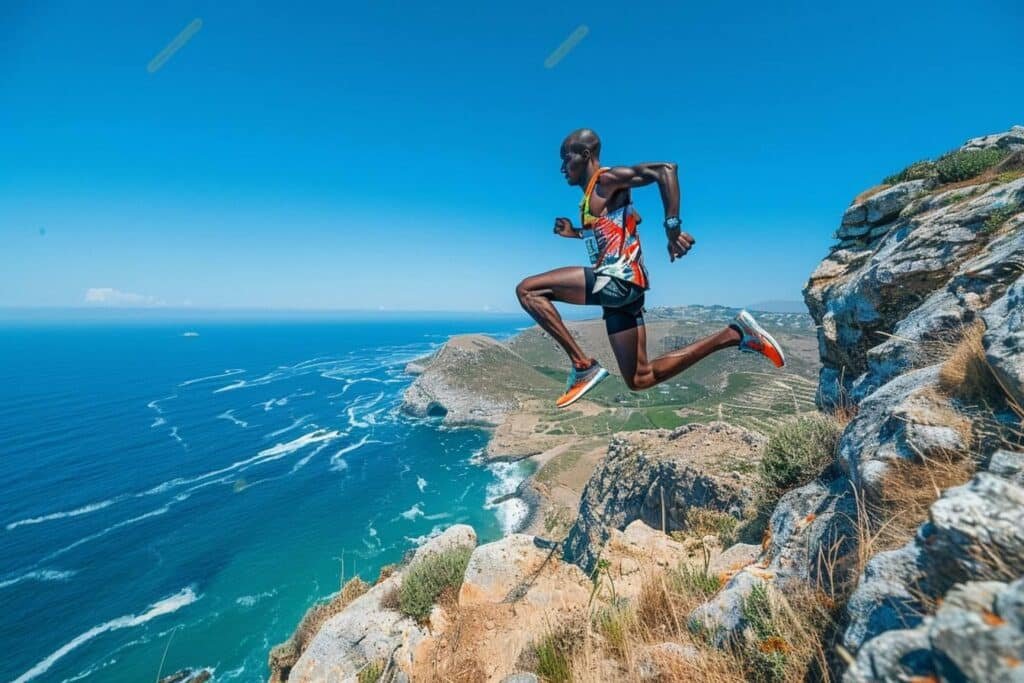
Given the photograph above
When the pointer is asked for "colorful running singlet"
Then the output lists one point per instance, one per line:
(612, 241)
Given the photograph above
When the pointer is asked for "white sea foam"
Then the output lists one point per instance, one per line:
(302, 463)
(229, 415)
(512, 512)
(155, 403)
(440, 515)
(434, 533)
(184, 597)
(174, 435)
(250, 600)
(158, 422)
(413, 512)
(336, 458)
(282, 449)
(226, 373)
(421, 483)
(84, 510)
(39, 575)
(339, 465)
(294, 425)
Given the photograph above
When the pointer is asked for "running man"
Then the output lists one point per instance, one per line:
(616, 279)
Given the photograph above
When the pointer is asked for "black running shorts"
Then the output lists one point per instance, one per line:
(622, 301)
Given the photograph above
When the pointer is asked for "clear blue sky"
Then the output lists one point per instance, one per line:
(405, 154)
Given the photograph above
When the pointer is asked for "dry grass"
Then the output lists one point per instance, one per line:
(626, 642)
(965, 374)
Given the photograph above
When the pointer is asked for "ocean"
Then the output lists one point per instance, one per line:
(176, 494)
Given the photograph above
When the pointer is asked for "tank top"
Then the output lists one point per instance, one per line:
(612, 241)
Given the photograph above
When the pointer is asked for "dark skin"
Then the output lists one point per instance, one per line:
(538, 293)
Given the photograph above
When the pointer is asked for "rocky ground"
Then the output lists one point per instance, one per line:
(901, 559)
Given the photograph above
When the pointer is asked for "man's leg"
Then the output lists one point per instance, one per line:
(536, 295)
(630, 347)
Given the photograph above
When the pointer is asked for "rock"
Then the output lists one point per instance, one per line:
(655, 662)
(656, 477)
(364, 632)
(733, 559)
(976, 635)
(508, 570)
(889, 202)
(721, 618)
(1009, 465)
(1004, 340)
(1012, 139)
(521, 678)
(472, 380)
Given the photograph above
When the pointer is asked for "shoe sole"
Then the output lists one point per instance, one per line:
(749, 321)
(586, 387)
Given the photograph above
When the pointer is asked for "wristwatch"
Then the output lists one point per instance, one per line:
(673, 223)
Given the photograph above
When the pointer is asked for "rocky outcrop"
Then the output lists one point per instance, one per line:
(471, 380)
(977, 634)
(365, 632)
(656, 477)
(917, 267)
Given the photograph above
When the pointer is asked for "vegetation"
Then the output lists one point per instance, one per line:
(997, 218)
(703, 521)
(799, 451)
(426, 579)
(953, 167)
(372, 672)
(966, 164)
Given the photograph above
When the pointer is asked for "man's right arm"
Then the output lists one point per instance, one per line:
(564, 228)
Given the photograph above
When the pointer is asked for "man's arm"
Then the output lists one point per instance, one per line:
(666, 175)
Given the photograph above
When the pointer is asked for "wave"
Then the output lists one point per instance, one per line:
(272, 403)
(364, 402)
(302, 463)
(282, 449)
(155, 403)
(294, 425)
(412, 513)
(104, 532)
(336, 458)
(421, 483)
(434, 533)
(158, 422)
(182, 598)
(84, 510)
(229, 415)
(174, 435)
(511, 513)
(39, 575)
(226, 373)
(250, 600)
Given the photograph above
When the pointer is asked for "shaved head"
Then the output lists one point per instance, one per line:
(580, 140)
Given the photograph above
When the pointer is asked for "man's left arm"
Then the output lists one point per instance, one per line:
(666, 175)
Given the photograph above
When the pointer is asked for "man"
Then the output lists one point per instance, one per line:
(616, 279)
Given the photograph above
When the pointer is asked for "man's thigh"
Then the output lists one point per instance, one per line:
(561, 284)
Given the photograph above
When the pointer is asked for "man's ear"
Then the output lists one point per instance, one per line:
(585, 154)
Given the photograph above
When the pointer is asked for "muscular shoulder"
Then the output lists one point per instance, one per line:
(620, 177)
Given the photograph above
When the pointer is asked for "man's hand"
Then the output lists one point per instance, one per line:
(563, 228)
(679, 243)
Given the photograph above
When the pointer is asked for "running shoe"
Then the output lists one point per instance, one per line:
(580, 382)
(757, 340)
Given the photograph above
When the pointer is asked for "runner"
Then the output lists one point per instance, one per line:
(616, 279)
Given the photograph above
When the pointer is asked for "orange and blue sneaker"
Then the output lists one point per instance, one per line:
(580, 382)
(757, 340)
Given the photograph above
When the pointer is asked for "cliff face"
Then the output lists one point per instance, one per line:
(921, 314)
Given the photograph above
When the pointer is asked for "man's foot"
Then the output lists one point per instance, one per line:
(580, 382)
(755, 339)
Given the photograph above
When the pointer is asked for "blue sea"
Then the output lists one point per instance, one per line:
(176, 494)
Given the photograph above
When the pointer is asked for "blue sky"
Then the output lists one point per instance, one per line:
(404, 155)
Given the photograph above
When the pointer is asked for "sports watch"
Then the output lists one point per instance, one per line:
(673, 223)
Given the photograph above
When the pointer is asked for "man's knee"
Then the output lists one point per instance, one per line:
(639, 382)
(523, 292)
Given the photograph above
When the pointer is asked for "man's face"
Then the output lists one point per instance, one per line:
(574, 164)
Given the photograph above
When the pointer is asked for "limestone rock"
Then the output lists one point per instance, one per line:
(656, 477)
(1004, 340)
(508, 570)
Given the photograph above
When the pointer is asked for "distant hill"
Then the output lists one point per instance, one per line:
(779, 306)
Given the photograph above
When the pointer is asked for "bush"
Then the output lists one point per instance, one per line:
(965, 164)
(703, 521)
(916, 171)
(996, 219)
(426, 579)
(798, 452)
(692, 581)
(371, 673)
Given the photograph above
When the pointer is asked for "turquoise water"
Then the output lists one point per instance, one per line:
(194, 487)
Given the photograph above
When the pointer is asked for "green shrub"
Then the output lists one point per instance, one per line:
(371, 673)
(553, 656)
(798, 452)
(996, 219)
(765, 659)
(916, 171)
(689, 580)
(426, 579)
(965, 164)
(612, 622)
(702, 521)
